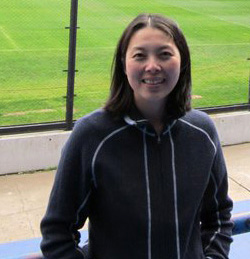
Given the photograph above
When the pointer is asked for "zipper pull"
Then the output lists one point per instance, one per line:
(158, 139)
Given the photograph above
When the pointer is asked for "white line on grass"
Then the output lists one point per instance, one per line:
(229, 21)
(209, 15)
(11, 41)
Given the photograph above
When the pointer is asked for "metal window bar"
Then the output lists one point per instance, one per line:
(68, 126)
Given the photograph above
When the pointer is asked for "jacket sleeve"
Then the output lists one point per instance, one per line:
(216, 227)
(68, 204)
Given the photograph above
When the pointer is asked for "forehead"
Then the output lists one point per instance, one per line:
(149, 36)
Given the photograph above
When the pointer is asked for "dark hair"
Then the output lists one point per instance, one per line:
(121, 95)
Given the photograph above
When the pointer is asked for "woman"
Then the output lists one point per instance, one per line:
(146, 170)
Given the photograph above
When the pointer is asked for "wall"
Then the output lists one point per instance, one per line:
(233, 128)
(27, 152)
(36, 151)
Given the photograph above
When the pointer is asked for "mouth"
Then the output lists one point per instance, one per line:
(153, 81)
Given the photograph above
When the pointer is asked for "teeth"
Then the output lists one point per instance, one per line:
(153, 81)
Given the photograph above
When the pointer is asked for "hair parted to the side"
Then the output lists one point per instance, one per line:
(121, 95)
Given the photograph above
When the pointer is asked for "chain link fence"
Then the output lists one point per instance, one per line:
(34, 53)
(33, 49)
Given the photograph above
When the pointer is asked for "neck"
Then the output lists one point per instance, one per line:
(154, 113)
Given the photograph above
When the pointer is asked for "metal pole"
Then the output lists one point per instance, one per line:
(71, 63)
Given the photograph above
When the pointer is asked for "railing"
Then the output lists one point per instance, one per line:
(241, 224)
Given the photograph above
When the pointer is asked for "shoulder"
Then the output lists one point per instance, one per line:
(90, 130)
(92, 118)
(198, 118)
(199, 121)
(96, 124)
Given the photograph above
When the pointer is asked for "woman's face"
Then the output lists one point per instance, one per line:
(152, 65)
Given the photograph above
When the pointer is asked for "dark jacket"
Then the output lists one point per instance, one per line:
(146, 196)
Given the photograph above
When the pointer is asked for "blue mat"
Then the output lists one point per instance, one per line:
(241, 207)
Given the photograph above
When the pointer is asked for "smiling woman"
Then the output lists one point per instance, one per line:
(147, 170)
(152, 67)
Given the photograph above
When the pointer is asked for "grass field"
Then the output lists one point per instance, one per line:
(33, 49)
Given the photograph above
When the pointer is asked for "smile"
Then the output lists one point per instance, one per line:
(153, 81)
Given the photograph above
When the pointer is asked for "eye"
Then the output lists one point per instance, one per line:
(166, 54)
(139, 56)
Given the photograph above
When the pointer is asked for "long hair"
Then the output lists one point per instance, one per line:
(121, 95)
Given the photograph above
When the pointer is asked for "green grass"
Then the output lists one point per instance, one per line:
(33, 49)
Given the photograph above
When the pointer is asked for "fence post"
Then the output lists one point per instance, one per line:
(71, 64)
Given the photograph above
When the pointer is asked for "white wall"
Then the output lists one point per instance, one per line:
(35, 151)
(233, 128)
(27, 152)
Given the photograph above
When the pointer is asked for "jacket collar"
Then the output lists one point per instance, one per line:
(135, 118)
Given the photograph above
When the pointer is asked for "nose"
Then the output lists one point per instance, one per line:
(153, 65)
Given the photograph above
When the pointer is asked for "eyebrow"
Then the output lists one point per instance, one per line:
(160, 48)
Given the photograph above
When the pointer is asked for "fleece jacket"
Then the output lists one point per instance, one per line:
(146, 196)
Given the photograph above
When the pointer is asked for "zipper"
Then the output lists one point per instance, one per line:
(158, 139)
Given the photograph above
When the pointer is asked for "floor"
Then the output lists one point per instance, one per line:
(24, 197)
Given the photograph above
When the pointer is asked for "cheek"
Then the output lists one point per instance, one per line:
(132, 71)
(175, 64)
(174, 69)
